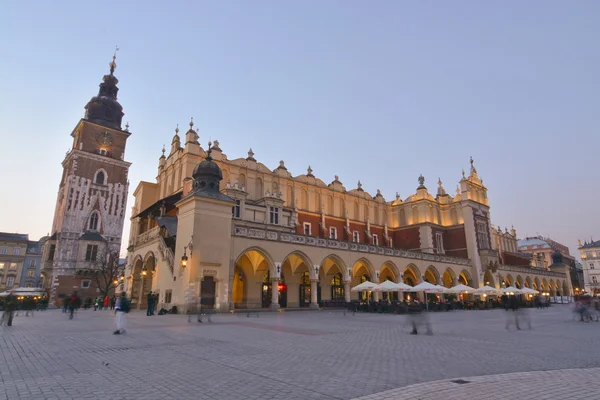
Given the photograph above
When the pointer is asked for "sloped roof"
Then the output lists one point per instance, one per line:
(534, 241)
(591, 245)
(92, 236)
(14, 236)
(169, 223)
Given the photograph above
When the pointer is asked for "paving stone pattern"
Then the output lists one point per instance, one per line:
(288, 355)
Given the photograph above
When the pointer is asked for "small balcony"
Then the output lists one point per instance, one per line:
(147, 236)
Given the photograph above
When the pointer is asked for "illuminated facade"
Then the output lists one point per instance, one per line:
(260, 229)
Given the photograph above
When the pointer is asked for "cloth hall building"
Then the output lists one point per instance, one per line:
(238, 234)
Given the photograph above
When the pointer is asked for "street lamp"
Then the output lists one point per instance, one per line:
(184, 259)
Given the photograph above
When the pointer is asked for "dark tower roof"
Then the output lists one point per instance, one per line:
(104, 108)
(207, 176)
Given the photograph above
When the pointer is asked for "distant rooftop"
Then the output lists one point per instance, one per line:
(14, 236)
(534, 241)
(590, 245)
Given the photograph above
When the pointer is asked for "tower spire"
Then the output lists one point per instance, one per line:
(113, 63)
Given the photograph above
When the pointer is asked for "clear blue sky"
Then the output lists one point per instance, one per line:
(380, 91)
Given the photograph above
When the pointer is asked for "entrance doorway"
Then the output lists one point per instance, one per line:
(207, 292)
(304, 290)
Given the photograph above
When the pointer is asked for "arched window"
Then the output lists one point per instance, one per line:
(100, 178)
(93, 226)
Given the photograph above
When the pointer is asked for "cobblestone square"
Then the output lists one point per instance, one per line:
(297, 355)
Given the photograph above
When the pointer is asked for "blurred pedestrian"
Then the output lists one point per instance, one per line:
(122, 307)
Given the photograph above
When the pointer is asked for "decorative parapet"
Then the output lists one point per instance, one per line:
(265, 234)
(147, 236)
(166, 254)
(527, 270)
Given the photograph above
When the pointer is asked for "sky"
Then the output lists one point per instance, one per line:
(377, 91)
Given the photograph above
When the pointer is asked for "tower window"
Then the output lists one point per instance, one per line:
(307, 228)
(375, 240)
(439, 241)
(93, 221)
(355, 237)
(332, 233)
(237, 209)
(100, 178)
(51, 252)
(482, 235)
(91, 252)
(274, 215)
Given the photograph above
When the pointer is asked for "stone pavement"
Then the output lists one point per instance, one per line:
(288, 355)
(575, 384)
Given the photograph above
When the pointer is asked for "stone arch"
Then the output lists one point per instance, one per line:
(509, 280)
(544, 285)
(333, 273)
(332, 262)
(519, 282)
(528, 283)
(536, 284)
(488, 279)
(411, 275)
(565, 289)
(363, 264)
(100, 177)
(432, 275)
(389, 268)
(250, 267)
(448, 278)
(252, 254)
(296, 259)
(465, 276)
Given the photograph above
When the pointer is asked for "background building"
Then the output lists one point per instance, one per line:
(590, 258)
(13, 247)
(92, 196)
(238, 234)
(30, 276)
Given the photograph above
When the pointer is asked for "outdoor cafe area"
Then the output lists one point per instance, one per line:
(397, 298)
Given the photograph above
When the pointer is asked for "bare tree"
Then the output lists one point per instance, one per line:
(107, 271)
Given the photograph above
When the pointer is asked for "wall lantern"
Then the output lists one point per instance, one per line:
(144, 272)
(184, 259)
(122, 277)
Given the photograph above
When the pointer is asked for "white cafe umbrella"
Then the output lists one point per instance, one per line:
(460, 288)
(387, 286)
(487, 290)
(4, 294)
(429, 288)
(511, 290)
(527, 290)
(403, 287)
(366, 285)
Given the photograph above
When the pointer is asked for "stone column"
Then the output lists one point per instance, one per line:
(274, 294)
(313, 294)
(347, 292)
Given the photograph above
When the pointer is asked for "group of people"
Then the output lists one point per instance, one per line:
(152, 300)
(588, 309)
(121, 305)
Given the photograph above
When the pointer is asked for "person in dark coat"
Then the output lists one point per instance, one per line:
(150, 299)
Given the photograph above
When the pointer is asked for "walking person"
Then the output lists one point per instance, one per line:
(106, 302)
(122, 306)
(113, 301)
(74, 303)
(9, 309)
(150, 299)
